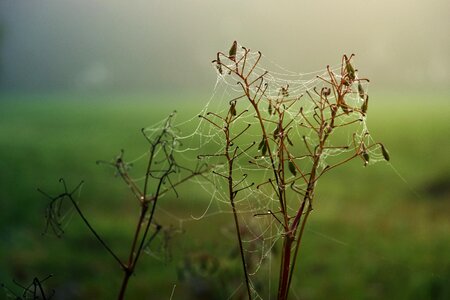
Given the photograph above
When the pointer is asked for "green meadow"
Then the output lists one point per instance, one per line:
(376, 232)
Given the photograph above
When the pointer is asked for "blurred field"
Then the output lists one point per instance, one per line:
(372, 234)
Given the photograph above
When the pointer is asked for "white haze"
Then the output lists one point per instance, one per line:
(168, 45)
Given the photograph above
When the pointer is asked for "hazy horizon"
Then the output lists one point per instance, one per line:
(168, 45)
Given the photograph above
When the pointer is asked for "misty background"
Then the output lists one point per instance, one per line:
(80, 78)
(168, 45)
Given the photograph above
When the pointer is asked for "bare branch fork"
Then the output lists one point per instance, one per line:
(230, 155)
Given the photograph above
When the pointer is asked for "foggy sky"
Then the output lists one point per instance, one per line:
(165, 45)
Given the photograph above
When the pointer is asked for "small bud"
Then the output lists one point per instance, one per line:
(292, 168)
(261, 144)
(289, 140)
(350, 69)
(385, 153)
(275, 132)
(233, 109)
(326, 91)
(361, 91)
(264, 149)
(232, 52)
(365, 105)
(366, 158)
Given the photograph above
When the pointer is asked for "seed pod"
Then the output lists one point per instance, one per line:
(233, 109)
(361, 90)
(385, 153)
(275, 132)
(270, 107)
(326, 91)
(366, 158)
(292, 168)
(232, 52)
(350, 69)
(261, 144)
(365, 105)
(289, 140)
(264, 149)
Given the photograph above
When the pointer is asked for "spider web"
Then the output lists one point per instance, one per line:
(255, 198)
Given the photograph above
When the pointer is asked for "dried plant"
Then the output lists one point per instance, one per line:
(35, 290)
(162, 174)
(298, 137)
(276, 141)
(231, 153)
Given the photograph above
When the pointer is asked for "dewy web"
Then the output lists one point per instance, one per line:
(296, 95)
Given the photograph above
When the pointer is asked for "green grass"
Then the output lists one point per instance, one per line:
(371, 235)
